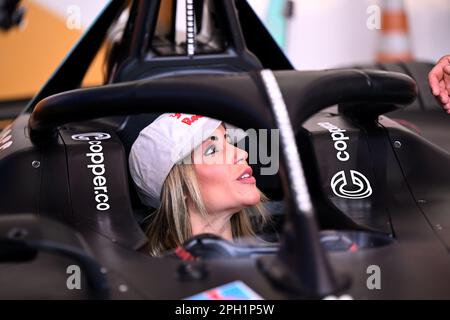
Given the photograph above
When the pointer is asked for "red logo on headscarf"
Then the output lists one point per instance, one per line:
(186, 120)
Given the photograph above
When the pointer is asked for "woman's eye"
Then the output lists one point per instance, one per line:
(211, 150)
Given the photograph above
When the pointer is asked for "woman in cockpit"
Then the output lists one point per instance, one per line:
(187, 167)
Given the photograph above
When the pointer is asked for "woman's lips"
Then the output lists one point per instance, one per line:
(249, 180)
(246, 176)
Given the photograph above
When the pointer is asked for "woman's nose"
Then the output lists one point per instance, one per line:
(241, 155)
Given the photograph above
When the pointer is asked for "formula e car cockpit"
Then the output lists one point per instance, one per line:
(345, 197)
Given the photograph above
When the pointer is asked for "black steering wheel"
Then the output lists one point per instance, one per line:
(209, 246)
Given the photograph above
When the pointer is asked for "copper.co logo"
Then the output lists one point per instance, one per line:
(91, 136)
(357, 188)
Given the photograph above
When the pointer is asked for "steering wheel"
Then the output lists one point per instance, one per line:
(209, 246)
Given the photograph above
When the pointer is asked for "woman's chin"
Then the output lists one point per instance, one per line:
(252, 200)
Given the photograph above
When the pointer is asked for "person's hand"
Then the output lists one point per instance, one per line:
(439, 78)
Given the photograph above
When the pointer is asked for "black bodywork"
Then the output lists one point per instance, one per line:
(53, 214)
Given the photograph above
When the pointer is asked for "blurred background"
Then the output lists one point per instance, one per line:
(332, 33)
(316, 34)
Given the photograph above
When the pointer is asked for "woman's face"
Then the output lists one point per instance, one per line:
(225, 179)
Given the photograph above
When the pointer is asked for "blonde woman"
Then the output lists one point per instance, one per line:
(187, 167)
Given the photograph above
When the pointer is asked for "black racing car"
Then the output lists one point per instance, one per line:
(360, 205)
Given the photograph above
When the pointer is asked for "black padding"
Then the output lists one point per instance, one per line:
(128, 133)
(399, 67)
(132, 126)
(424, 116)
(419, 72)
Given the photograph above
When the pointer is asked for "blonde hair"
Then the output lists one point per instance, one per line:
(170, 224)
